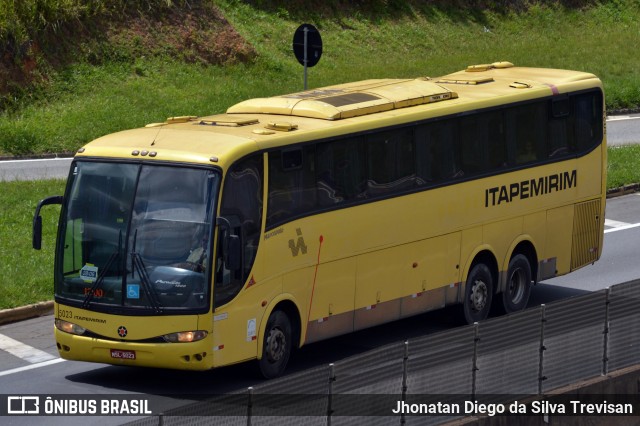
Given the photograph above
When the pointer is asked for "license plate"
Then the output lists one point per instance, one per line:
(122, 354)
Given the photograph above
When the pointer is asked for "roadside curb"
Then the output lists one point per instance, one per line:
(623, 190)
(26, 312)
(51, 156)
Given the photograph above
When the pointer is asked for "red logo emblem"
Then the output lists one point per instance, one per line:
(251, 282)
(122, 331)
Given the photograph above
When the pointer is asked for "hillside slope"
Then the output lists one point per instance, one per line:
(194, 32)
(71, 74)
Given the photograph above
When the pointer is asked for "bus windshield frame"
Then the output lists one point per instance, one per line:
(136, 238)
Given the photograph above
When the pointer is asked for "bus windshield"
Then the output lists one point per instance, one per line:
(136, 237)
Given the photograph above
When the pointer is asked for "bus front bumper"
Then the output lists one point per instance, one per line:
(180, 356)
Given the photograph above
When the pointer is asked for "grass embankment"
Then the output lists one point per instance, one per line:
(111, 88)
(150, 59)
(624, 166)
(27, 274)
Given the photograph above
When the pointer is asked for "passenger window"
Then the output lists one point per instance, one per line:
(292, 183)
(525, 135)
(497, 153)
(588, 120)
(341, 171)
(434, 147)
(469, 146)
(390, 162)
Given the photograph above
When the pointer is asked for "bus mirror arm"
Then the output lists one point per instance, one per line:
(37, 219)
(231, 245)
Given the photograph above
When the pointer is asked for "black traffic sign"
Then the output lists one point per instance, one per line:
(307, 45)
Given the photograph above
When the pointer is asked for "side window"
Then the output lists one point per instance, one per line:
(481, 144)
(390, 162)
(292, 183)
(341, 171)
(588, 120)
(242, 206)
(525, 135)
(560, 141)
(470, 146)
(497, 155)
(434, 151)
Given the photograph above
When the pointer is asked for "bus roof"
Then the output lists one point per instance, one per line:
(264, 123)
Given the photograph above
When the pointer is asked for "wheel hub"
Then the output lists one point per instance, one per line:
(276, 344)
(516, 286)
(479, 295)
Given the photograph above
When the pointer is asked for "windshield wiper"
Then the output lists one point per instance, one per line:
(146, 282)
(105, 269)
(144, 277)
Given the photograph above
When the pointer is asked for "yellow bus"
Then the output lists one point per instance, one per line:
(201, 242)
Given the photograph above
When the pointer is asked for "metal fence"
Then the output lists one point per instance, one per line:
(523, 354)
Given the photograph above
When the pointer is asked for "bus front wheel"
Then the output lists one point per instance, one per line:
(478, 293)
(276, 347)
(516, 294)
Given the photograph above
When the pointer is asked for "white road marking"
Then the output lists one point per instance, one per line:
(614, 223)
(31, 367)
(622, 228)
(24, 352)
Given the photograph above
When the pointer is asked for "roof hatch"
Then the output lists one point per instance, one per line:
(349, 100)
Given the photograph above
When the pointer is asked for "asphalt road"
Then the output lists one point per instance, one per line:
(623, 129)
(51, 168)
(29, 363)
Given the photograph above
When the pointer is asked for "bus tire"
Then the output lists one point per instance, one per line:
(518, 287)
(276, 348)
(478, 293)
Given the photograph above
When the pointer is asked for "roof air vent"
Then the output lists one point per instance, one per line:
(487, 67)
(349, 100)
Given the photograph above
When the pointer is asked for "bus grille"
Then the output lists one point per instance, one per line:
(586, 234)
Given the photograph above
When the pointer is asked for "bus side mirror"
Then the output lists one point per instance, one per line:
(37, 232)
(37, 220)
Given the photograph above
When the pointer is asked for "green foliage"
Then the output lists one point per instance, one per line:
(22, 19)
(624, 166)
(129, 84)
(27, 273)
(384, 39)
(18, 139)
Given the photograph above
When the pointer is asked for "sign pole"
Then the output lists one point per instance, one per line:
(306, 37)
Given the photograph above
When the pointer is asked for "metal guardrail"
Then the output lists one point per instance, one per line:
(523, 354)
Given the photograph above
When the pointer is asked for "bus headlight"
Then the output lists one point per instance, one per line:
(69, 327)
(185, 336)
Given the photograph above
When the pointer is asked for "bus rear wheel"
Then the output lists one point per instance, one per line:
(276, 348)
(478, 293)
(516, 293)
